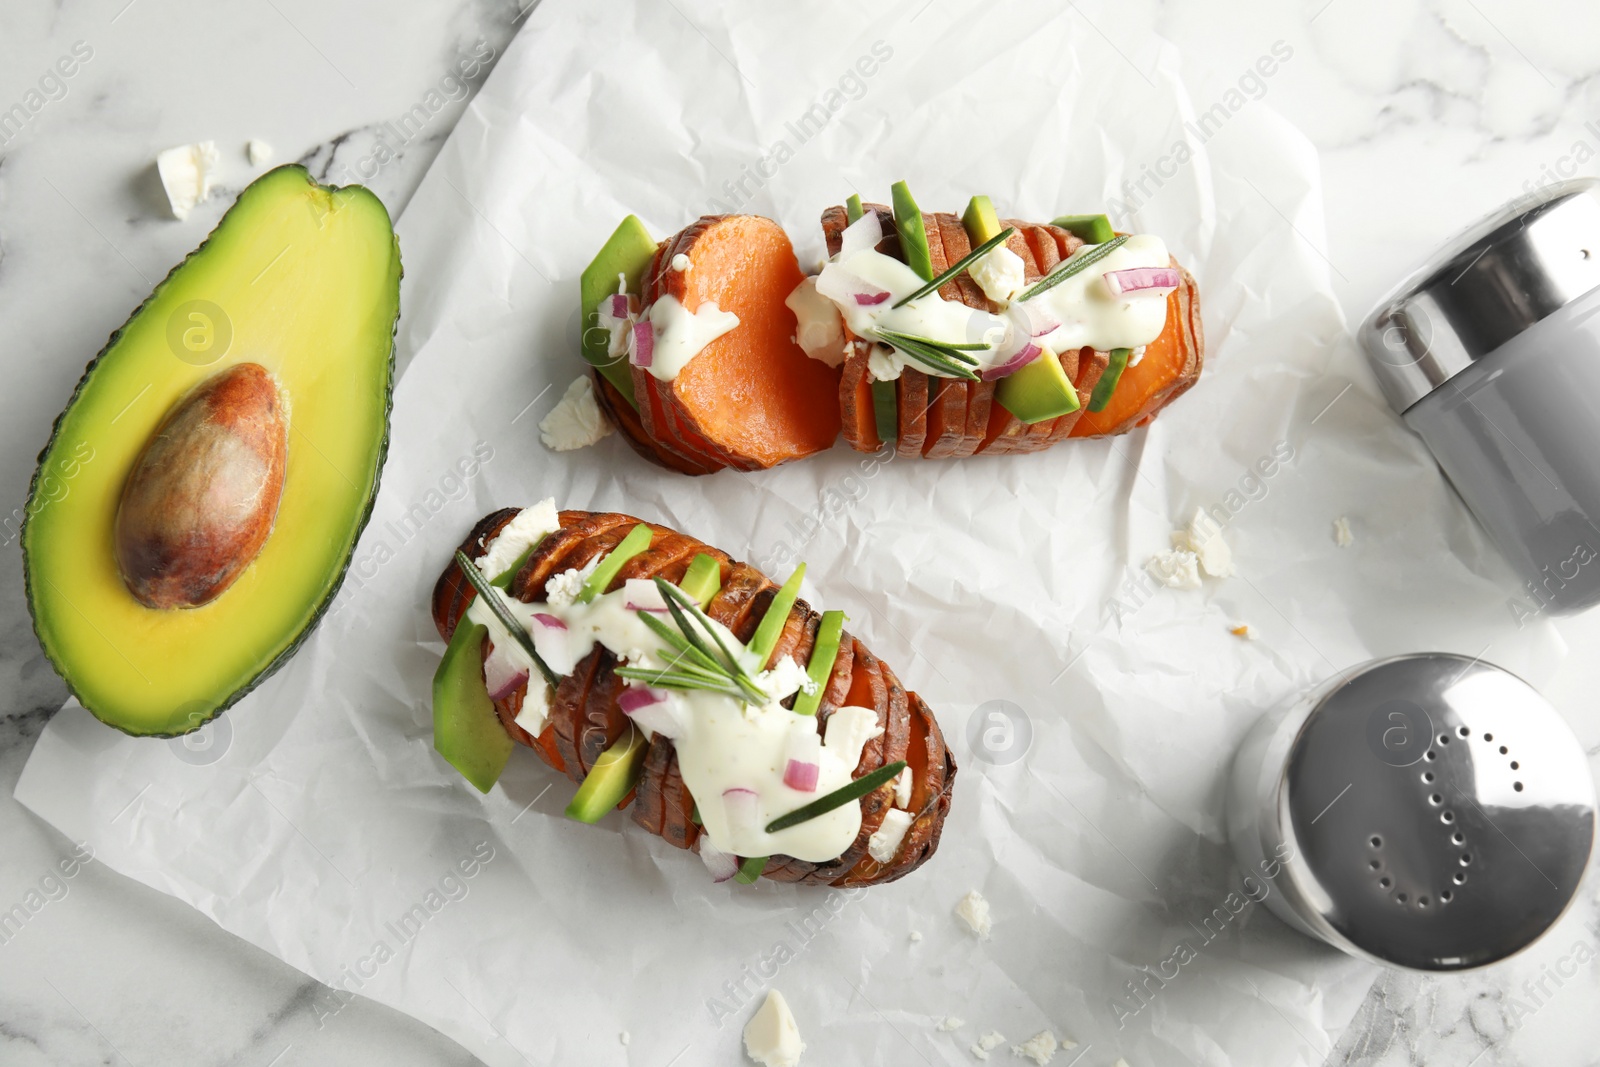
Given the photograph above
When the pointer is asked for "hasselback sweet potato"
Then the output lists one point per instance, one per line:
(585, 718)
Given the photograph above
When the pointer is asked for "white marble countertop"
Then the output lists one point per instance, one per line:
(1426, 113)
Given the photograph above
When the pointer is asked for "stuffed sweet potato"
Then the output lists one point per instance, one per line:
(586, 716)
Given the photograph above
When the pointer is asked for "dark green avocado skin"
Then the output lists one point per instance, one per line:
(366, 514)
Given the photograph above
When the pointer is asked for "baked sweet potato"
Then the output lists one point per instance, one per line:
(585, 718)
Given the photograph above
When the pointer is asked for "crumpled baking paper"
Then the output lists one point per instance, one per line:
(1093, 711)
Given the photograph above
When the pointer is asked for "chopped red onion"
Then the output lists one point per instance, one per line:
(742, 808)
(651, 709)
(721, 865)
(644, 343)
(642, 594)
(801, 777)
(550, 622)
(1142, 281)
(619, 306)
(635, 697)
(501, 676)
(871, 299)
(1028, 354)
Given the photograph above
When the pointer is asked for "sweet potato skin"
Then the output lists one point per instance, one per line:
(584, 718)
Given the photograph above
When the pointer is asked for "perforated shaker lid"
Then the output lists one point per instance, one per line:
(1502, 276)
(1443, 809)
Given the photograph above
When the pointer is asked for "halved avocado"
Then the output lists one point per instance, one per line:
(304, 281)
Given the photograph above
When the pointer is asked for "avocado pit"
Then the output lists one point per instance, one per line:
(202, 497)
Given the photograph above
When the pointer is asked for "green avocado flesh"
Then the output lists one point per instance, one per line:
(612, 777)
(703, 579)
(770, 629)
(1092, 229)
(980, 220)
(637, 541)
(1108, 381)
(627, 252)
(824, 650)
(913, 235)
(1041, 390)
(304, 280)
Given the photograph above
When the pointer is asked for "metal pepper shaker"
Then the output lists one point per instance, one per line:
(1491, 352)
(1430, 811)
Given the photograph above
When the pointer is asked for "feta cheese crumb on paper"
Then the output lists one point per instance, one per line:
(951, 1022)
(1039, 1048)
(1203, 537)
(576, 421)
(1343, 536)
(1120, 1062)
(1177, 569)
(973, 910)
(187, 173)
(771, 1037)
(624, 1037)
(258, 152)
(987, 1043)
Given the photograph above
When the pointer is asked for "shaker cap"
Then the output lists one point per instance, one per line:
(1510, 271)
(1442, 811)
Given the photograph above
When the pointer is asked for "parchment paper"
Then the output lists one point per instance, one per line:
(315, 820)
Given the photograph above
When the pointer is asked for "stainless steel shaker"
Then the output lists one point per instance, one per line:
(1428, 811)
(1491, 352)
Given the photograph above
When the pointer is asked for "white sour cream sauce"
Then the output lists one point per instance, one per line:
(678, 334)
(721, 743)
(1078, 312)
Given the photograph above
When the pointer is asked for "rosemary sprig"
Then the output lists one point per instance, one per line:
(490, 596)
(1073, 266)
(962, 264)
(710, 666)
(947, 358)
(838, 798)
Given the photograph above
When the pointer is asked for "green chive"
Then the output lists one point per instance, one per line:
(824, 650)
(771, 628)
(838, 798)
(966, 261)
(1075, 265)
(490, 596)
(751, 869)
(1108, 380)
(637, 541)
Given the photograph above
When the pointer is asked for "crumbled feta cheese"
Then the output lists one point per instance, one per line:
(950, 1023)
(1120, 1062)
(187, 173)
(772, 1038)
(820, 328)
(1137, 356)
(974, 911)
(916, 935)
(576, 421)
(1203, 537)
(258, 152)
(624, 1037)
(680, 262)
(1343, 536)
(785, 677)
(999, 273)
(1177, 569)
(527, 529)
(848, 730)
(1039, 1048)
(562, 589)
(988, 1042)
(885, 842)
(535, 710)
(902, 789)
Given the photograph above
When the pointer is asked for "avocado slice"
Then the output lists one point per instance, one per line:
(772, 623)
(303, 280)
(1108, 381)
(1092, 229)
(886, 412)
(628, 252)
(852, 208)
(980, 220)
(824, 650)
(750, 869)
(1038, 391)
(612, 777)
(606, 571)
(913, 236)
(703, 579)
